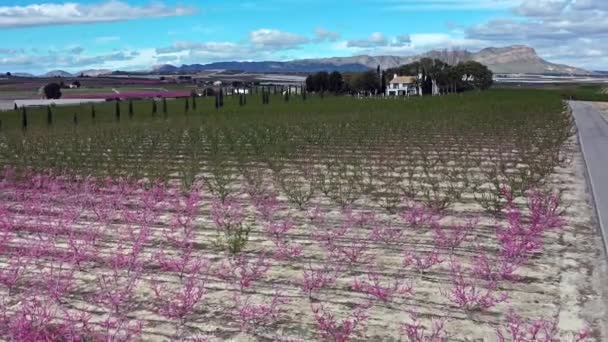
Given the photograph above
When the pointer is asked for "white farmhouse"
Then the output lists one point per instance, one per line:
(402, 86)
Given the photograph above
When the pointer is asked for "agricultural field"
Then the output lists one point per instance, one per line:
(97, 87)
(299, 218)
(586, 93)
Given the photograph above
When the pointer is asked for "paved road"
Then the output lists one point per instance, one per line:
(593, 136)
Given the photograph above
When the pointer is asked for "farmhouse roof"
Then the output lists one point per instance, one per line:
(404, 79)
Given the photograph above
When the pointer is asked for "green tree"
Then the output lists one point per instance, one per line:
(383, 83)
(117, 110)
(52, 91)
(130, 109)
(335, 82)
(310, 85)
(476, 75)
(23, 118)
(367, 82)
(193, 94)
(49, 116)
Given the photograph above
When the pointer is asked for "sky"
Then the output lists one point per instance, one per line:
(41, 35)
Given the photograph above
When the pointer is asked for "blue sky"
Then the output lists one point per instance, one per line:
(40, 35)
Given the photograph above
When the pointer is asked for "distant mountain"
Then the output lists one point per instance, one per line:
(165, 68)
(94, 72)
(268, 66)
(57, 73)
(521, 59)
(517, 59)
(506, 60)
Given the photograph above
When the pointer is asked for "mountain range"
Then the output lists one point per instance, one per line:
(517, 59)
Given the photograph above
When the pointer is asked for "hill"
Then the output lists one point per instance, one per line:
(505, 60)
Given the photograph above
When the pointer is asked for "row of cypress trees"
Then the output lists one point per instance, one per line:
(188, 103)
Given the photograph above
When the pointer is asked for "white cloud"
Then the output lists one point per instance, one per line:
(376, 39)
(74, 13)
(541, 8)
(417, 43)
(450, 5)
(130, 59)
(564, 31)
(325, 35)
(267, 38)
(402, 40)
(212, 50)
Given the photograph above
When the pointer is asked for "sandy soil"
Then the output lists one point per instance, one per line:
(566, 281)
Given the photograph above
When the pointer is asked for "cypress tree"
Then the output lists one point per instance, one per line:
(23, 118)
(117, 110)
(221, 98)
(165, 107)
(49, 116)
(130, 109)
(93, 112)
(193, 101)
(154, 107)
(186, 106)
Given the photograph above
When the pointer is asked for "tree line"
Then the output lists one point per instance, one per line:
(448, 78)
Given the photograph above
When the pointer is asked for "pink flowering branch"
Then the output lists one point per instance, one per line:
(181, 302)
(494, 268)
(266, 205)
(381, 290)
(414, 331)
(243, 270)
(334, 330)
(422, 261)
(470, 294)
(387, 235)
(453, 236)
(315, 279)
(417, 215)
(254, 316)
(516, 329)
